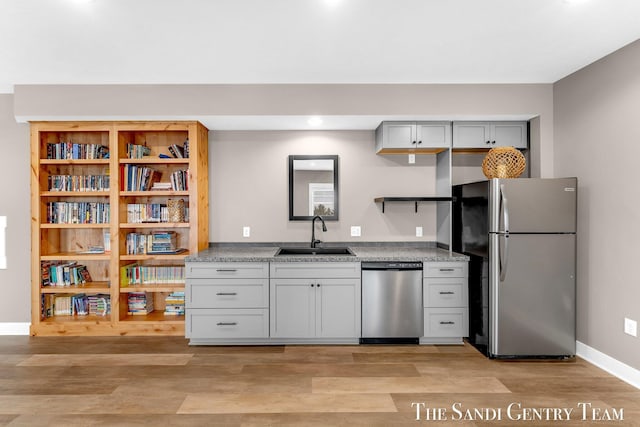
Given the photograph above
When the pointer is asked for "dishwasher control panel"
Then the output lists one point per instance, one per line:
(394, 265)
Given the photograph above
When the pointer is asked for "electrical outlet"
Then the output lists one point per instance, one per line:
(630, 327)
(418, 231)
(246, 231)
(355, 231)
(412, 159)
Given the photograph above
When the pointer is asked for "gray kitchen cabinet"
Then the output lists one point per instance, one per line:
(405, 137)
(474, 135)
(315, 302)
(446, 305)
(226, 302)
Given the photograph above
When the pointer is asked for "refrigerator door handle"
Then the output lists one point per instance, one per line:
(503, 262)
(505, 209)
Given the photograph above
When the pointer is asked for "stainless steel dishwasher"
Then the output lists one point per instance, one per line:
(392, 304)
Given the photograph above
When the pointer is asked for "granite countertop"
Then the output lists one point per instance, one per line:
(377, 252)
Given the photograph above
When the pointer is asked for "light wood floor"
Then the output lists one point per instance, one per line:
(128, 381)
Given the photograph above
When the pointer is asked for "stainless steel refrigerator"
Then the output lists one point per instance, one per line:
(520, 235)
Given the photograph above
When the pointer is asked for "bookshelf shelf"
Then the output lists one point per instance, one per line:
(69, 226)
(58, 245)
(147, 257)
(74, 194)
(154, 316)
(153, 288)
(155, 161)
(86, 319)
(154, 225)
(75, 256)
(153, 193)
(74, 162)
(90, 287)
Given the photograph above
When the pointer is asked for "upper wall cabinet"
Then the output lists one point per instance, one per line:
(413, 137)
(485, 135)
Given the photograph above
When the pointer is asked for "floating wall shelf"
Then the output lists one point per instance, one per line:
(384, 200)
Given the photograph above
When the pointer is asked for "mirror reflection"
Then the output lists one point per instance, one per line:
(313, 187)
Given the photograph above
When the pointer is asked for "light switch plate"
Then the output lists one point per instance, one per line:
(418, 231)
(246, 231)
(356, 231)
(3, 243)
(630, 327)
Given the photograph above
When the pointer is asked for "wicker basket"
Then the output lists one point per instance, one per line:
(503, 162)
(176, 210)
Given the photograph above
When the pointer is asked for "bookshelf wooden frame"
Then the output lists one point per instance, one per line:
(65, 242)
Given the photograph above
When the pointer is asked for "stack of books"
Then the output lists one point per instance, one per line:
(136, 274)
(137, 151)
(174, 304)
(140, 303)
(164, 242)
(180, 180)
(99, 304)
(137, 177)
(59, 273)
(179, 152)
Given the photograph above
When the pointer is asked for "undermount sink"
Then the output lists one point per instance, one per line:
(339, 250)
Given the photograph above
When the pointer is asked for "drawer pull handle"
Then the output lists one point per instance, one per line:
(446, 269)
(448, 323)
(447, 292)
(227, 293)
(226, 270)
(227, 323)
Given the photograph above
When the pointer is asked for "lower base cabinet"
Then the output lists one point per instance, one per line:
(315, 301)
(226, 302)
(308, 308)
(308, 303)
(445, 295)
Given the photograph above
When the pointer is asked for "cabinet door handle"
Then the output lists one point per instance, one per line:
(312, 285)
(318, 285)
(419, 142)
(448, 323)
(488, 142)
(446, 269)
(227, 293)
(447, 293)
(226, 270)
(413, 142)
(493, 142)
(227, 323)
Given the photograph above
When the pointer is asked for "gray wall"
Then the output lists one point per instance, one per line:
(249, 187)
(14, 204)
(597, 139)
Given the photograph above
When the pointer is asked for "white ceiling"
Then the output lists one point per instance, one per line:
(307, 41)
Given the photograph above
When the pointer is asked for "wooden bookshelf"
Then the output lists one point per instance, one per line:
(57, 241)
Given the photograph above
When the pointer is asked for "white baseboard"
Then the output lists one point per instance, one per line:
(623, 371)
(11, 328)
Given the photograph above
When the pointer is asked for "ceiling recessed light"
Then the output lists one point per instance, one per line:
(314, 121)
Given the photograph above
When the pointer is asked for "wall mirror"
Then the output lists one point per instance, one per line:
(313, 187)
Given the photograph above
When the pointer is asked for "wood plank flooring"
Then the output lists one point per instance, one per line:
(132, 381)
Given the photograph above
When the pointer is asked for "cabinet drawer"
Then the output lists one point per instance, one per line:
(227, 323)
(315, 270)
(227, 293)
(445, 292)
(446, 322)
(445, 269)
(227, 269)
